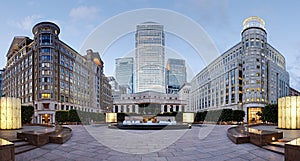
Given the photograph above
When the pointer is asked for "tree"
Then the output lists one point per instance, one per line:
(270, 113)
(238, 115)
(61, 116)
(26, 114)
(73, 116)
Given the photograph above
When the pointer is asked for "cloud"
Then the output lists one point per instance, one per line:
(83, 12)
(26, 23)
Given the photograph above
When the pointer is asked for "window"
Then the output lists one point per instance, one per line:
(45, 65)
(46, 57)
(46, 95)
(46, 39)
(45, 50)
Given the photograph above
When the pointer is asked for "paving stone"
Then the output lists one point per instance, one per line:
(189, 147)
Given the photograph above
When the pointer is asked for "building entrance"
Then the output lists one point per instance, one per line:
(46, 119)
(254, 115)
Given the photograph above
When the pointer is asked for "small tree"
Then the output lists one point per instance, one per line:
(26, 114)
(270, 113)
(61, 116)
(73, 116)
(238, 115)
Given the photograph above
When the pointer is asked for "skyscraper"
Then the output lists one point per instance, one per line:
(149, 57)
(175, 74)
(124, 72)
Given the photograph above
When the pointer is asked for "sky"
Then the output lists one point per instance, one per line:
(220, 19)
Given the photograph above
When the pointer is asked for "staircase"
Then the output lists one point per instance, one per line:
(277, 146)
(22, 146)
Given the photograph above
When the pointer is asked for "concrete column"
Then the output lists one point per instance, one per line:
(174, 108)
(130, 108)
(119, 108)
(136, 110)
(168, 108)
(125, 108)
(162, 108)
(180, 108)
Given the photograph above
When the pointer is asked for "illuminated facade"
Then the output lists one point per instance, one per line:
(10, 113)
(248, 76)
(149, 57)
(48, 74)
(289, 112)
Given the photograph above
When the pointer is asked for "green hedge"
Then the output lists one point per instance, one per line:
(26, 114)
(223, 115)
(78, 116)
(238, 115)
(270, 113)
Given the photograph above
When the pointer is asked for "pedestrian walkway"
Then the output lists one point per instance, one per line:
(199, 143)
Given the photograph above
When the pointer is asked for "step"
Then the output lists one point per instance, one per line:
(21, 143)
(284, 140)
(22, 149)
(276, 149)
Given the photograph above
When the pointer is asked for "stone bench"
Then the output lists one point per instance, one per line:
(292, 150)
(61, 136)
(7, 150)
(263, 137)
(237, 135)
(58, 134)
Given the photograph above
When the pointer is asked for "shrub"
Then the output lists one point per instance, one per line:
(238, 115)
(270, 113)
(61, 116)
(26, 114)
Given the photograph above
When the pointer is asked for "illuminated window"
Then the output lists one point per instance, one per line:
(257, 99)
(262, 89)
(46, 95)
(247, 89)
(247, 100)
(252, 99)
(257, 81)
(252, 89)
(257, 89)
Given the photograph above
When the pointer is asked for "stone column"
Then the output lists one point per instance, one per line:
(174, 108)
(162, 108)
(180, 108)
(125, 108)
(136, 110)
(119, 108)
(130, 108)
(168, 108)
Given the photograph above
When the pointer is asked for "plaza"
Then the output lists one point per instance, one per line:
(207, 142)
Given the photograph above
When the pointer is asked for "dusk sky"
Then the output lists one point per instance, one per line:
(220, 19)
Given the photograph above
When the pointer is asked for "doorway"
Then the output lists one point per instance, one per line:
(46, 118)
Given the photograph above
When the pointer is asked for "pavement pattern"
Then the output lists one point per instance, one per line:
(207, 143)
